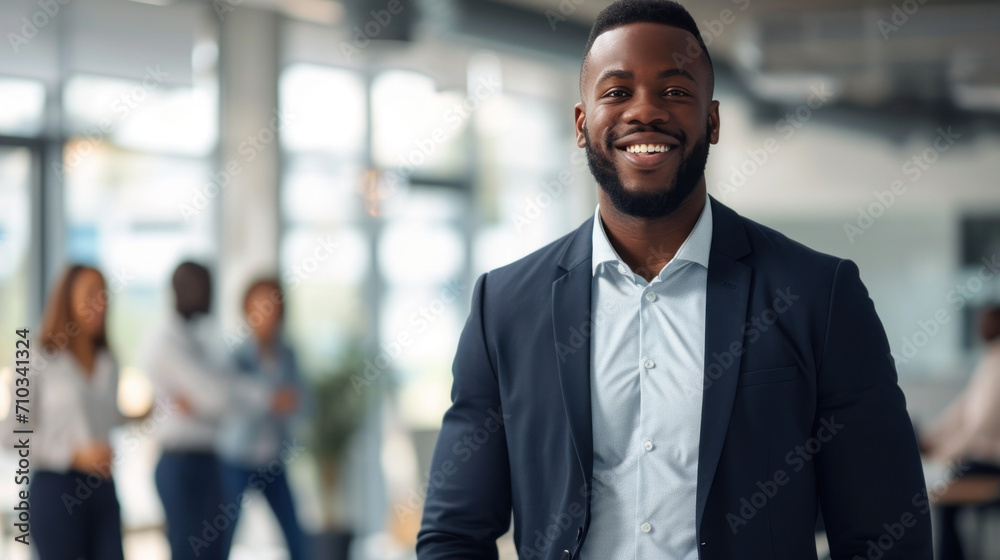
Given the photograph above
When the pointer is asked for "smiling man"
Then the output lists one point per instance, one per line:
(671, 380)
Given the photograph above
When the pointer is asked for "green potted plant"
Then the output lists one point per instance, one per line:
(339, 409)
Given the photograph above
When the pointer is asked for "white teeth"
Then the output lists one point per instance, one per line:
(647, 148)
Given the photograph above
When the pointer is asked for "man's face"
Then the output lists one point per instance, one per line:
(647, 117)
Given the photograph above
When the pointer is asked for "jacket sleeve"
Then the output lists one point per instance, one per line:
(871, 484)
(468, 503)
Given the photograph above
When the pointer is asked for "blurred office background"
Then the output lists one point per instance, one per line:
(379, 155)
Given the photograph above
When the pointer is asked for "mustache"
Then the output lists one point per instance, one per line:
(613, 137)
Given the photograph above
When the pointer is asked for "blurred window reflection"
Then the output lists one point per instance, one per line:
(332, 104)
(417, 130)
(146, 115)
(15, 244)
(422, 255)
(23, 109)
(529, 190)
(324, 250)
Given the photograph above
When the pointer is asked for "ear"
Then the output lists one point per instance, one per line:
(580, 116)
(713, 122)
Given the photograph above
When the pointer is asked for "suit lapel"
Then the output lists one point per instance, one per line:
(727, 297)
(571, 323)
(728, 292)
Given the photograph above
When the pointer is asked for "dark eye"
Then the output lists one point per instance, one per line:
(616, 93)
(675, 93)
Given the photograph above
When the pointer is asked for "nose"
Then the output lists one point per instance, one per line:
(645, 107)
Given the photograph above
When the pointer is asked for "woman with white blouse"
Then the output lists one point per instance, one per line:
(74, 384)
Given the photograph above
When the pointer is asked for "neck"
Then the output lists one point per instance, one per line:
(265, 346)
(187, 314)
(648, 244)
(84, 351)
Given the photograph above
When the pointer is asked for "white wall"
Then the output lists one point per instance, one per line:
(817, 176)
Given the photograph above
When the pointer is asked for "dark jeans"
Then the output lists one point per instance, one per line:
(237, 479)
(74, 516)
(949, 541)
(198, 522)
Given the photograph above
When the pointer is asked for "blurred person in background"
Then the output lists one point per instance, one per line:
(188, 380)
(255, 443)
(967, 433)
(74, 508)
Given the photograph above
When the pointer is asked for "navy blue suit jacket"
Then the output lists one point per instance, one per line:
(801, 411)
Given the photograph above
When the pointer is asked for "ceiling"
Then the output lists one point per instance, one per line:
(873, 53)
(902, 54)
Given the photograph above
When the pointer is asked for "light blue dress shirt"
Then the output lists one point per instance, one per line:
(647, 372)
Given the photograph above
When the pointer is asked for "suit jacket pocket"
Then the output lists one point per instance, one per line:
(770, 375)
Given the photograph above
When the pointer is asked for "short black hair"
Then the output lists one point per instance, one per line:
(624, 12)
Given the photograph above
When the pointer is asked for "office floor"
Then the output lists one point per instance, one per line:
(258, 539)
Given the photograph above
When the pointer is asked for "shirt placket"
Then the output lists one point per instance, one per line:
(644, 526)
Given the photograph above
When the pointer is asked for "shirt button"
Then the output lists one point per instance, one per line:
(647, 445)
(650, 296)
(649, 364)
(645, 527)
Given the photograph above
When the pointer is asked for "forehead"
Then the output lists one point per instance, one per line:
(262, 291)
(647, 46)
(87, 279)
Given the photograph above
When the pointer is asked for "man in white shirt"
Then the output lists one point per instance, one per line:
(187, 381)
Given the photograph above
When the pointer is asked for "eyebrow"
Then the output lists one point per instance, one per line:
(627, 75)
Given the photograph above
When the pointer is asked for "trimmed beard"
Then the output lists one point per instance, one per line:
(657, 204)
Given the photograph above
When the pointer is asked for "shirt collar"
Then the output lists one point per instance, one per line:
(696, 248)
